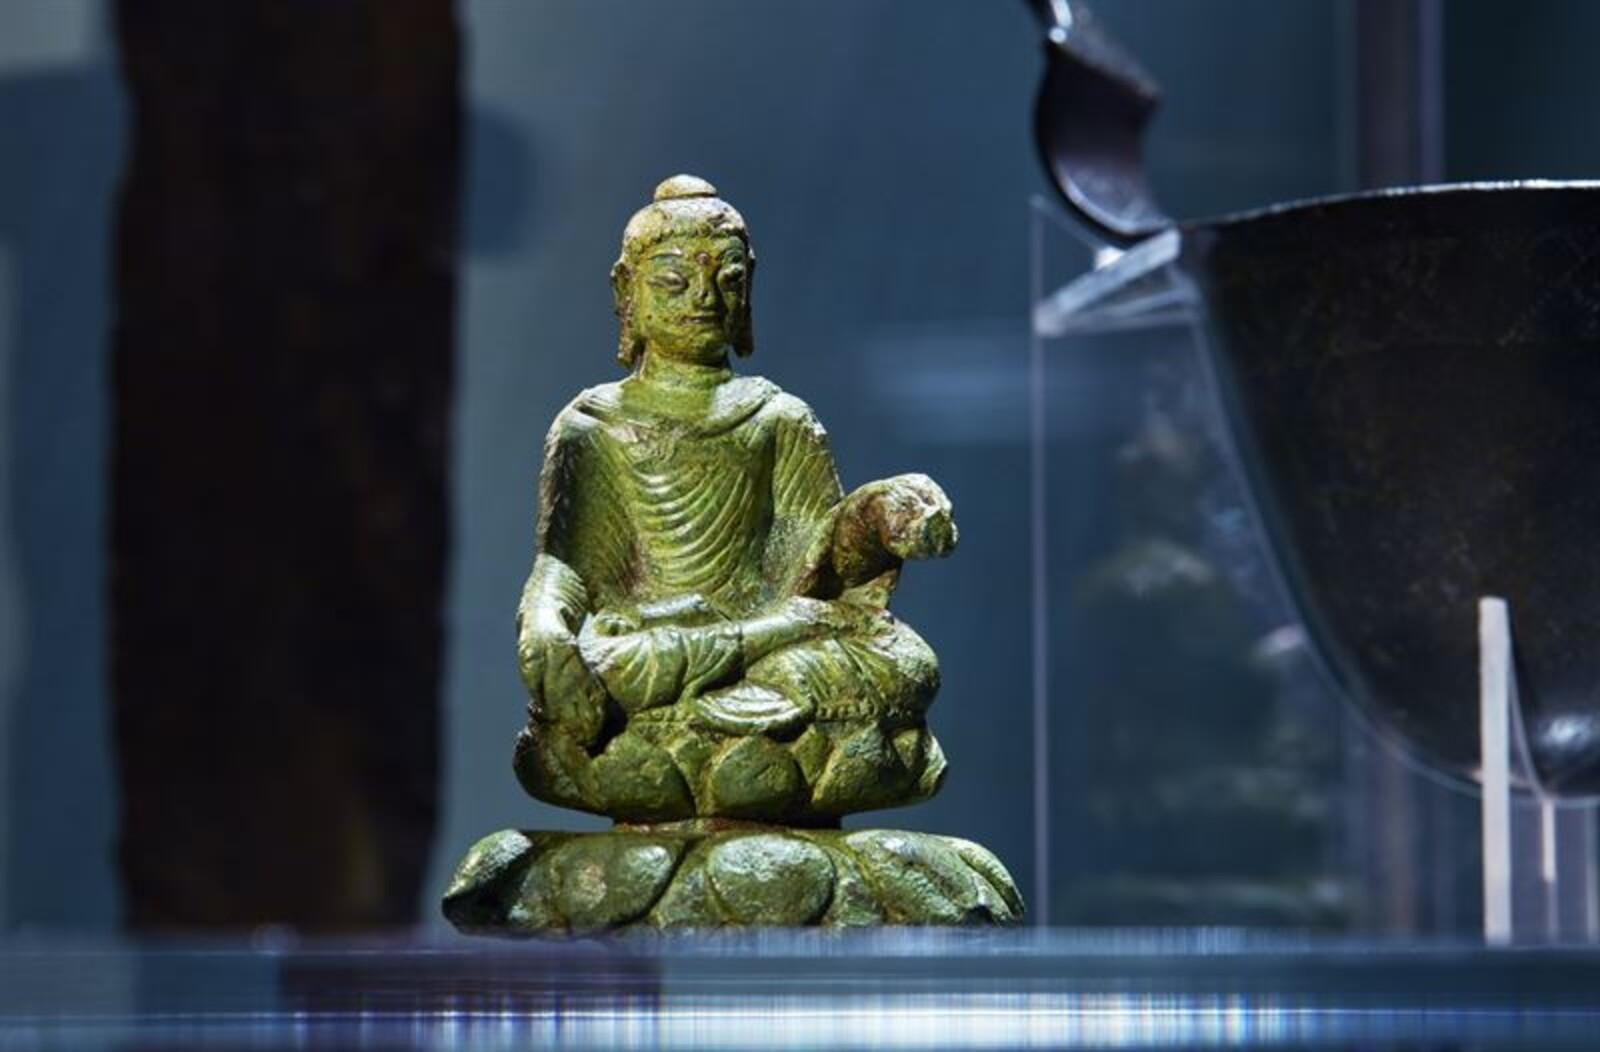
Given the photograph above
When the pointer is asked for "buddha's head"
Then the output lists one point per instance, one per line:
(682, 283)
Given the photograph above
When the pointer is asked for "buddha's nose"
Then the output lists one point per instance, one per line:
(705, 292)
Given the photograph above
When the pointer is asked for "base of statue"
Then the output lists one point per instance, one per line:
(711, 873)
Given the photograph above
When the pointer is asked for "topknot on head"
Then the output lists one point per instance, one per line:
(682, 204)
(680, 186)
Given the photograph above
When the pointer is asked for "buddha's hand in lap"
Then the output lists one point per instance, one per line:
(748, 708)
(645, 667)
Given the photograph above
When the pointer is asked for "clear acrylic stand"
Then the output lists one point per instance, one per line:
(1541, 873)
(1407, 849)
(1123, 291)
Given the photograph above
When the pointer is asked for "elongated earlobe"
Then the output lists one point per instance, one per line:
(744, 343)
(628, 347)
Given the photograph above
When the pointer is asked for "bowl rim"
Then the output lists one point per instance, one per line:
(1421, 190)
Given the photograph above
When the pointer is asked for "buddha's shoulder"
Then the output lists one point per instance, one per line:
(790, 412)
(590, 408)
(760, 396)
(579, 421)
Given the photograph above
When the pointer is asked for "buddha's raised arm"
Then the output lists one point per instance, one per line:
(884, 523)
(805, 500)
(826, 542)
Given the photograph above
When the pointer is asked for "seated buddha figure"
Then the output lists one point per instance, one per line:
(705, 632)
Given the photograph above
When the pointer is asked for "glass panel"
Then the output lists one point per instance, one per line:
(1198, 769)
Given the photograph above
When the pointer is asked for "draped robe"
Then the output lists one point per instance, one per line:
(684, 575)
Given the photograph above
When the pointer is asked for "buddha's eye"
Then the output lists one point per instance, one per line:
(732, 276)
(669, 281)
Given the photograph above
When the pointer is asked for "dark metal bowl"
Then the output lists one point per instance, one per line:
(1412, 382)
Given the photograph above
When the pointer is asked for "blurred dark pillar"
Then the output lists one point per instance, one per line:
(1414, 829)
(285, 279)
(1399, 55)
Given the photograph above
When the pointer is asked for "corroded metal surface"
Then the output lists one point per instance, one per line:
(711, 878)
(1412, 378)
(705, 635)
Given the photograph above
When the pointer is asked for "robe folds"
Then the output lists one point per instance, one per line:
(684, 599)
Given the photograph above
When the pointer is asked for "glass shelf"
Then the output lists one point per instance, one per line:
(921, 989)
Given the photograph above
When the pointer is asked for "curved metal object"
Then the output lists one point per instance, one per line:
(1410, 379)
(1089, 121)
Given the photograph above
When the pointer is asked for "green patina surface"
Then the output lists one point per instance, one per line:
(519, 882)
(705, 634)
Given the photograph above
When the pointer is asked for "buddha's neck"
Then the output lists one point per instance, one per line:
(660, 371)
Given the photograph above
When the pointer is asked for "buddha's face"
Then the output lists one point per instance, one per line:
(690, 296)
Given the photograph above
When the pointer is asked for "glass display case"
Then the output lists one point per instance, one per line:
(288, 295)
(1251, 820)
